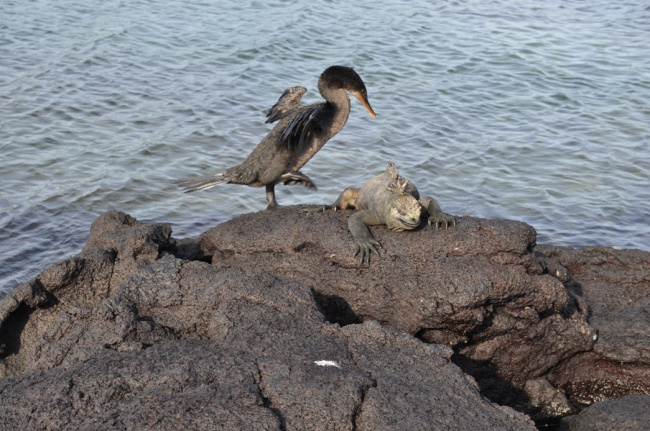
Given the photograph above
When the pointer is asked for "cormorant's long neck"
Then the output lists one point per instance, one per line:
(337, 109)
(339, 103)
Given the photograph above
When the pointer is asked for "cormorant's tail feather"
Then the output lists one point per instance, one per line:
(201, 183)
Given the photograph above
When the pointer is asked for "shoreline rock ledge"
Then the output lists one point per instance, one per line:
(268, 322)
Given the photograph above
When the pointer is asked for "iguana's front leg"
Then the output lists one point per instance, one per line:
(436, 216)
(365, 244)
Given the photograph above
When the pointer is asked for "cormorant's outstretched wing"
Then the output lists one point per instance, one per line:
(290, 99)
(303, 127)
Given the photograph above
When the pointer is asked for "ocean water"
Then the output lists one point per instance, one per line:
(528, 110)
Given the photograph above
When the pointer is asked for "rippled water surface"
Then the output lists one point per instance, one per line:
(528, 110)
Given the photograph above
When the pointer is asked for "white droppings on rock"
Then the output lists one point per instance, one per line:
(327, 364)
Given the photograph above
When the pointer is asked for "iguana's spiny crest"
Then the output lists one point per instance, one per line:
(404, 208)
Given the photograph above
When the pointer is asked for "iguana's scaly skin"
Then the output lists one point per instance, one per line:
(391, 200)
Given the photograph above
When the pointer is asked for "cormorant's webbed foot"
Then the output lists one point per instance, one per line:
(365, 247)
(293, 178)
(441, 219)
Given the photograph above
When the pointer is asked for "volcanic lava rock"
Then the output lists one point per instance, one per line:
(127, 336)
(478, 287)
(616, 286)
(629, 413)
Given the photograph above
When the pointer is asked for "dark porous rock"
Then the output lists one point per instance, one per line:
(134, 244)
(477, 287)
(630, 413)
(181, 344)
(171, 385)
(616, 286)
(418, 387)
(32, 315)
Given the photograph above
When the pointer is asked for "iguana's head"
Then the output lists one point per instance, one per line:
(404, 213)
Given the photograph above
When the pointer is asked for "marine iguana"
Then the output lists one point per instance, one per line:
(387, 199)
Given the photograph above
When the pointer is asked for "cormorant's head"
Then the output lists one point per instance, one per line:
(342, 77)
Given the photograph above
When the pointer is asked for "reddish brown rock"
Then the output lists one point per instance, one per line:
(616, 286)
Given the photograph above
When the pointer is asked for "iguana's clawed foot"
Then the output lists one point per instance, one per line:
(442, 219)
(365, 249)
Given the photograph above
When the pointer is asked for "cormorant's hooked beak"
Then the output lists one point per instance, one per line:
(364, 101)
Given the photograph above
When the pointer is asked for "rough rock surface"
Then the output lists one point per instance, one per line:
(128, 336)
(477, 287)
(630, 413)
(251, 327)
(117, 245)
(616, 286)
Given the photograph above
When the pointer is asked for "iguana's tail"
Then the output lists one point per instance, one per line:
(201, 183)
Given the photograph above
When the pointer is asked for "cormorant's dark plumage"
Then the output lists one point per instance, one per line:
(299, 133)
(289, 100)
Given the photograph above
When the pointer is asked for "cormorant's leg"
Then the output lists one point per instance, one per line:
(293, 178)
(270, 197)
